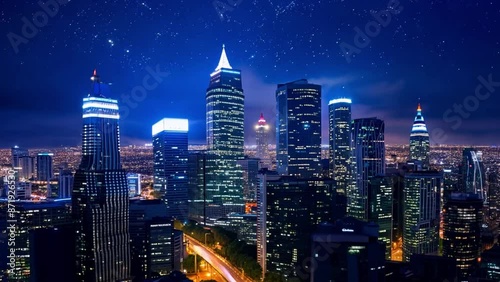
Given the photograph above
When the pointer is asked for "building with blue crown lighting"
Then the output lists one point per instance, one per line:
(419, 141)
(170, 150)
(100, 194)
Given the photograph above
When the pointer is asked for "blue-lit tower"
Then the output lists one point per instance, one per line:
(225, 104)
(339, 137)
(473, 173)
(419, 141)
(298, 129)
(170, 149)
(100, 194)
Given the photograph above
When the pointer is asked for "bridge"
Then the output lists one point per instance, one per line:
(226, 270)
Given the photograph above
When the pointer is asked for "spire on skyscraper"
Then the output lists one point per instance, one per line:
(262, 121)
(96, 85)
(419, 123)
(223, 61)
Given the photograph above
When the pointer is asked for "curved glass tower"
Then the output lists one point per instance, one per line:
(368, 161)
(419, 140)
(225, 136)
(100, 194)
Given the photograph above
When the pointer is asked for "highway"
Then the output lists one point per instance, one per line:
(229, 272)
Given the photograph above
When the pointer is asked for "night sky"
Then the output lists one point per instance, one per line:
(432, 50)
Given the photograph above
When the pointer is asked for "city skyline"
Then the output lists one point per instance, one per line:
(383, 79)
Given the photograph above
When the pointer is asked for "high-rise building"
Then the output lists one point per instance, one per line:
(347, 251)
(265, 175)
(65, 182)
(494, 199)
(339, 116)
(368, 161)
(244, 225)
(421, 206)
(262, 138)
(26, 169)
(134, 184)
(30, 216)
(463, 217)
(380, 209)
(44, 166)
(298, 129)
(197, 163)
(490, 264)
(294, 206)
(473, 173)
(250, 168)
(170, 148)
(419, 141)
(225, 114)
(100, 194)
(16, 153)
(151, 237)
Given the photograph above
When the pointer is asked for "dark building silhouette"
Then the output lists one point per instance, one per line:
(463, 218)
(294, 206)
(348, 250)
(152, 239)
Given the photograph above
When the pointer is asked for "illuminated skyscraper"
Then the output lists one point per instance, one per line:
(473, 174)
(100, 194)
(419, 140)
(380, 209)
(262, 138)
(368, 161)
(65, 182)
(339, 113)
(26, 167)
(298, 129)
(170, 148)
(421, 206)
(225, 103)
(44, 166)
(463, 216)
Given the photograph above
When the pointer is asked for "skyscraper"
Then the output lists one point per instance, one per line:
(473, 174)
(170, 147)
(65, 182)
(380, 209)
(262, 138)
(368, 161)
(44, 166)
(250, 168)
(463, 216)
(26, 168)
(197, 163)
(225, 103)
(134, 184)
(151, 236)
(100, 194)
(16, 153)
(419, 141)
(294, 206)
(421, 206)
(298, 129)
(339, 113)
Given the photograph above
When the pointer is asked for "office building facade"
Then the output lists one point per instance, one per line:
(368, 160)
(44, 166)
(298, 129)
(170, 148)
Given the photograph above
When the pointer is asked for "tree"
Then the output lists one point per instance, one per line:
(274, 277)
